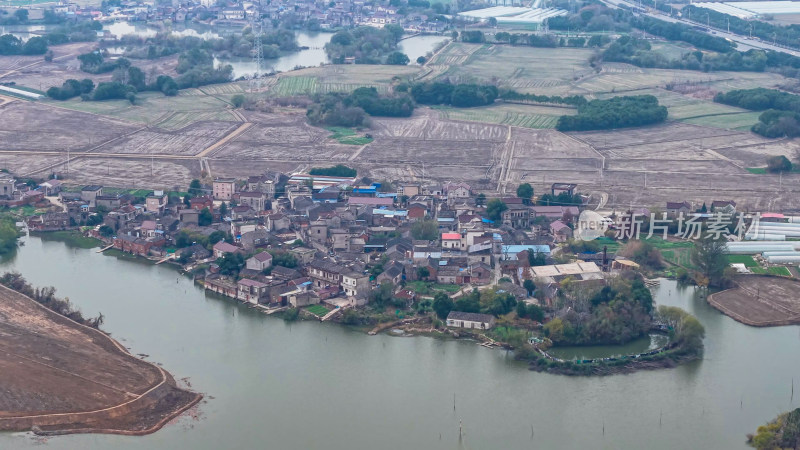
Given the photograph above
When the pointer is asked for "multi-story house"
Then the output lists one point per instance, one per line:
(224, 188)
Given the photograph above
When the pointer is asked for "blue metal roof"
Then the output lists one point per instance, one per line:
(514, 249)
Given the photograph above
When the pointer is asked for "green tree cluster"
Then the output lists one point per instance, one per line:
(781, 433)
(339, 170)
(442, 305)
(617, 112)
(425, 230)
(368, 45)
(710, 256)
(510, 94)
(71, 88)
(618, 313)
(495, 208)
(12, 45)
(460, 95)
(525, 192)
(350, 110)
(779, 163)
(230, 264)
(531, 311)
(685, 330)
(9, 234)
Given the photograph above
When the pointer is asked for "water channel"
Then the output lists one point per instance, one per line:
(307, 385)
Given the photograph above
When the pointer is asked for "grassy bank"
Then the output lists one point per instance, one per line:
(71, 237)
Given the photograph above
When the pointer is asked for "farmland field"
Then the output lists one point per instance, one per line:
(780, 271)
(526, 69)
(221, 89)
(699, 155)
(747, 260)
(338, 78)
(509, 114)
(701, 109)
(737, 121)
(155, 108)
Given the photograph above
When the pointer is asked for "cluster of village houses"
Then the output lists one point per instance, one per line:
(336, 229)
(326, 15)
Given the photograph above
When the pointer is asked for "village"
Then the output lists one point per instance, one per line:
(310, 15)
(329, 240)
(323, 244)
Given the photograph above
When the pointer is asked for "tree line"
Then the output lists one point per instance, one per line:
(445, 93)
(781, 116)
(39, 45)
(617, 112)
(9, 234)
(573, 100)
(638, 52)
(784, 35)
(274, 44)
(47, 298)
(351, 110)
(195, 68)
(339, 170)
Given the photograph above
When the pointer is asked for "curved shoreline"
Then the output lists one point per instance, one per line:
(668, 360)
(764, 301)
(161, 401)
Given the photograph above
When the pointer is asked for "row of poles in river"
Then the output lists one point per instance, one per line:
(660, 416)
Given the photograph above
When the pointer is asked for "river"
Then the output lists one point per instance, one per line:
(308, 385)
(413, 47)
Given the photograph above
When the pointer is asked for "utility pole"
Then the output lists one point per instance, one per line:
(258, 51)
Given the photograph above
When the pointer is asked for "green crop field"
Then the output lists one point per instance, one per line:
(690, 110)
(318, 310)
(295, 85)
(527, 116)
(747, 260)
(738, 121)
(348, 136)
(507, 118)
(451, 288)
(779, 271)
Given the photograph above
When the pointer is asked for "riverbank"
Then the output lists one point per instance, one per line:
(61, 377)
(667, 359)
(411, 323)
(266, 373)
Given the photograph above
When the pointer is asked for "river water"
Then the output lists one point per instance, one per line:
(307, 385)
(313, 56)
